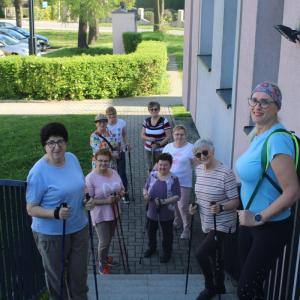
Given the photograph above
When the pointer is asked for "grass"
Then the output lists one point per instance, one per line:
(179, 111)
(21, 148)
(74, 51)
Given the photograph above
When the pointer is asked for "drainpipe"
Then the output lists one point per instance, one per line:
(236, 81)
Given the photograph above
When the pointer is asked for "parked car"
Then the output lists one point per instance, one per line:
(10, 46)
(45, 43)
(6, 24)
(18, 36)
(1, 54)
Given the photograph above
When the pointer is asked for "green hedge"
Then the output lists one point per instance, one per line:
(131, 40)
(106, 76)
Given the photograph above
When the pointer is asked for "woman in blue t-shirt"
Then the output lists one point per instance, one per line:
(267, 225)
(55, 179)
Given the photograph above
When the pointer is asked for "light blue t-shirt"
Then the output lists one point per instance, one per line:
(248, 167)
(50, 186)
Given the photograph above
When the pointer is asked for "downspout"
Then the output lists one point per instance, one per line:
(236, 82)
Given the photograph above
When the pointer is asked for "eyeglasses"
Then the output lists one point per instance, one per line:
(264, 103)
(102, 161)
(177, 134)
(101, 121)
(204, 153)
(154, 109)
(111, 114)
(52, 144)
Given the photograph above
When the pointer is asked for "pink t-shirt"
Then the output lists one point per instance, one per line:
(101, 187)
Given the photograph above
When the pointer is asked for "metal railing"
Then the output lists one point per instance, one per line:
(283, 282)
(21, 269)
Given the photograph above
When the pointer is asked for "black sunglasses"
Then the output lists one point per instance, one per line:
(154, 109)
(204, 153)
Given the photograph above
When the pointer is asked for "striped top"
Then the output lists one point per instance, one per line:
(157, 131)
(219, 186)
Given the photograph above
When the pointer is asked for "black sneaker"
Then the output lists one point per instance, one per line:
(164, 259)
(148, 253)
(126, 198)
(207, 294)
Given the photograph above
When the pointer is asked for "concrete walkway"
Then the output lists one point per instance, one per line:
(133, 111)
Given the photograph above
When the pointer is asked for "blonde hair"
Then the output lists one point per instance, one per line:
(111, 109)
(179, 127)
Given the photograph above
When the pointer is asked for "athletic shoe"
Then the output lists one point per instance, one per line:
(207, 294)
(111, 262)
(176, 226)
(104, 271)
(164, 259)
(185, 234)
(126, 198)
(148, 253)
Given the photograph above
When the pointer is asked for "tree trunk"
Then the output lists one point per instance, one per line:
(18, 13)
(82, 34)
(156, 15)
(94, 24)
(162, 7)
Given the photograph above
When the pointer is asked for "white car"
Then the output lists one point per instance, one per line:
(2, 53)
(10, 46)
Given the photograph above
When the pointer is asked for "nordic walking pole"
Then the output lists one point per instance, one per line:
(189, 255)
(116, 222)
(216, 241)
(130, 175)
(88, 197)
(158, 221)
(147, 206)
(63, 256)
(125, 251)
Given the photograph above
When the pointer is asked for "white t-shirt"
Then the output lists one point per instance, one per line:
(182, 165)
(117, 131)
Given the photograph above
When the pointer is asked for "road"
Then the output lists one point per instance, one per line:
(74, 26)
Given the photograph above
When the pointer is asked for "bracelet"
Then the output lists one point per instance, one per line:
(128, 144)
(56, 212)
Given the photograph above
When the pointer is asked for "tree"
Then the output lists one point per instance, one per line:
(18, 13)
(157, 13)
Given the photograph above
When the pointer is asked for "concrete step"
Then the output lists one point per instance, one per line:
(151, 286)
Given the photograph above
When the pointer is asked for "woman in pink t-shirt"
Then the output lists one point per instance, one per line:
(102, 183)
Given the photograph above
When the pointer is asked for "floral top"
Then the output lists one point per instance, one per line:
(97, 143)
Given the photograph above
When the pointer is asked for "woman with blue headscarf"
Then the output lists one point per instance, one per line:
(266, 223)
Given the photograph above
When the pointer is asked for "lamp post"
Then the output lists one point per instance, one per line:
(32, 38)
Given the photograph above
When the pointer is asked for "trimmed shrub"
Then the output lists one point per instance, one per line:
(131, 40)
(152, 36)
(175, 16)
(105, 76)
(149, 16)
(167, 17)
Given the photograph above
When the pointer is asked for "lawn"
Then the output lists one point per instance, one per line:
(179, 111)
(21, 148)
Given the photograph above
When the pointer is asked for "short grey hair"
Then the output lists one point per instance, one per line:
(202, 142)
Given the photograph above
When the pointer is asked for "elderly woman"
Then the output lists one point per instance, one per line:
(103, 138)
(57, 178)
(156, 132)
(267, 224)
(162, 191)
(117, 127)
(215, 182)
(183, 161)
(106, 188)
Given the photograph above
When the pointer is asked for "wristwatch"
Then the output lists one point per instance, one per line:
(221, 207)
(164, 202)
(258, 218)
(158, 145)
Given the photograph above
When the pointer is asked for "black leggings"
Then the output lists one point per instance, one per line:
(206, 257)
(259, 248)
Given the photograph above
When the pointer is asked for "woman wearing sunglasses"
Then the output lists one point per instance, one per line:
(156, 132)
(103, 138)
(183, 161)
(215, 182)
(266, 222)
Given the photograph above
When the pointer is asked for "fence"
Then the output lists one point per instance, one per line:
(21, 268)
(283, 282)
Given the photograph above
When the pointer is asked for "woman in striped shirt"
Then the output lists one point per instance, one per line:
(156, 132)
(215, 182)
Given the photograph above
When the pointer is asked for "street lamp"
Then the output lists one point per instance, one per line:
(32, 38)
